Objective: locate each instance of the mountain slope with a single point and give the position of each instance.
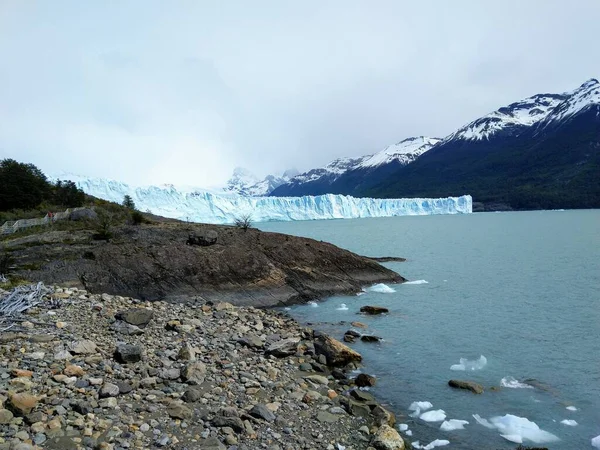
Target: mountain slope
(244, 182)
(527, 157)
(341, 173)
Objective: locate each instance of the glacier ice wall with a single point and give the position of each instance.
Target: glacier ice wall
(207, 207)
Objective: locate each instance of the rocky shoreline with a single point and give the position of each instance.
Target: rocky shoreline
(89, 371)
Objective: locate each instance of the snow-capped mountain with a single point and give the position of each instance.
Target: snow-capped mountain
(321, 180)
(244, 182)
(541, 152)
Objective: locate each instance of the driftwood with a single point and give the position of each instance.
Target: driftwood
(20, 299)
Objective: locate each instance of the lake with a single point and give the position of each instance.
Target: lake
(516, 295)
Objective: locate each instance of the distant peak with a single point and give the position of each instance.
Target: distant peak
(589, 83)
(240, 171)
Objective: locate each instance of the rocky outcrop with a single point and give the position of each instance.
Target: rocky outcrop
(373, 310)
(336, 353)
(387, 438)
(475, 388)
(153, 262)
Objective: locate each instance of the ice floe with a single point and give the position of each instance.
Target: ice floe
(419, 407)
(381, 288)
(596, 442)
(571, 408)
(465, 364)
(416, 282)
(436, 415)
(517, 429)
(513, 383)
(453, 424)
(569, 422)
(431, 445)
(402, 427)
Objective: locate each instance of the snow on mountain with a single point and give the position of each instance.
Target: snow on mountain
(208, 207)
(582, 98)
(244, 182)
(405, 152)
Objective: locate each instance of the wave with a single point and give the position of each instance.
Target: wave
(313, 304)
(465, 364)
(416, 282)
(342, 307)
(381, 288)
(517, 429)
(510, 382)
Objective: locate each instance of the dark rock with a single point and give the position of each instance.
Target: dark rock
(373, 310)
(128, 353)
(108, 390)
(179, 411)
(229, 421)
(361, 395)
(124, 387)
(349, 338)
(251, 341)
(212, 443)
(260, 411)
(467, 385)
(205, 238)
(339, 374)
(352, 333)
(192, 395)
(139, 317)
(125, 328)
(363, 380)
(370, 338)
(82, 408)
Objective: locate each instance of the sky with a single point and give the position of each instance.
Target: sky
(151, 92)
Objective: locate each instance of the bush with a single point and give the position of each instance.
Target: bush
(137, 218)
(244, 221)
(104, 225)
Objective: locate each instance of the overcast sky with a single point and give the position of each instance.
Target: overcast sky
(151, 92)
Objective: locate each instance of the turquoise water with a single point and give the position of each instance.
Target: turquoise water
(522, 289)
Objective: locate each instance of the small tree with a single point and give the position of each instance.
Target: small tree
(67, 194)
(128, 202)
(104, 225)
(22, 186)
(244, 221)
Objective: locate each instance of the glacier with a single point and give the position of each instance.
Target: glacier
(195, 205)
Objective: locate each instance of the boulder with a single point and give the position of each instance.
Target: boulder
(82, 347)
(128, 353)
(194, 372)
(125, 328)
(140, 317)
(252, 341)
(179, 411)
(475, 388)
(373, 310)
(232, 422)
(336, 353)
(260, 411)
(21, 404)
(204, 238)
(83, 214)
(364, 380)
(387, 438)
(284, 347)
(370, 338)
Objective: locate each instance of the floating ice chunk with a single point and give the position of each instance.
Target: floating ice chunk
(416, 444)
(313, 304)
(416, 282)
(571, 408)
(596, 442)
(465, 364)
(510, 382)
(436, 415)
(408, 433)
(381, 288)
(517, 429)
(453, 424)
(287, 308)
(420, 406)
(402, 427)
(342, 307)
(436, 443)
(569, 422)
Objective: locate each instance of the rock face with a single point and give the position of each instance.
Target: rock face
(467, 385)
(374, 310)
(337, 354)
(83, 214)
(153, 262)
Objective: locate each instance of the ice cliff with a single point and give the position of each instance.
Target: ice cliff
(201, 206)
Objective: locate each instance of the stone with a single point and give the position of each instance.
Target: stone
(21, 404)
(125, 328)
(361, 395)
(387, 438)
(109, 390)
(83, 214)
(187, 353)
(260, 411)
(128, 353)
(194, 372)
(229, 421)
(124, 387)
(5, 416)
(140, 317)
(383, 416)
(73, 370)
(365, 380)
(327, 417)
(317, 379)
(251, 341)
(358, 325)
(211, 443)
(82, 408)
(467, 385)
(204, 238)
(349, 338)
(82, 347)
(370, 338)
(373, 310)
(169, 374)
(20, 373)
(179, 411)
(192, 395)
(283, 347)
(336, 353)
